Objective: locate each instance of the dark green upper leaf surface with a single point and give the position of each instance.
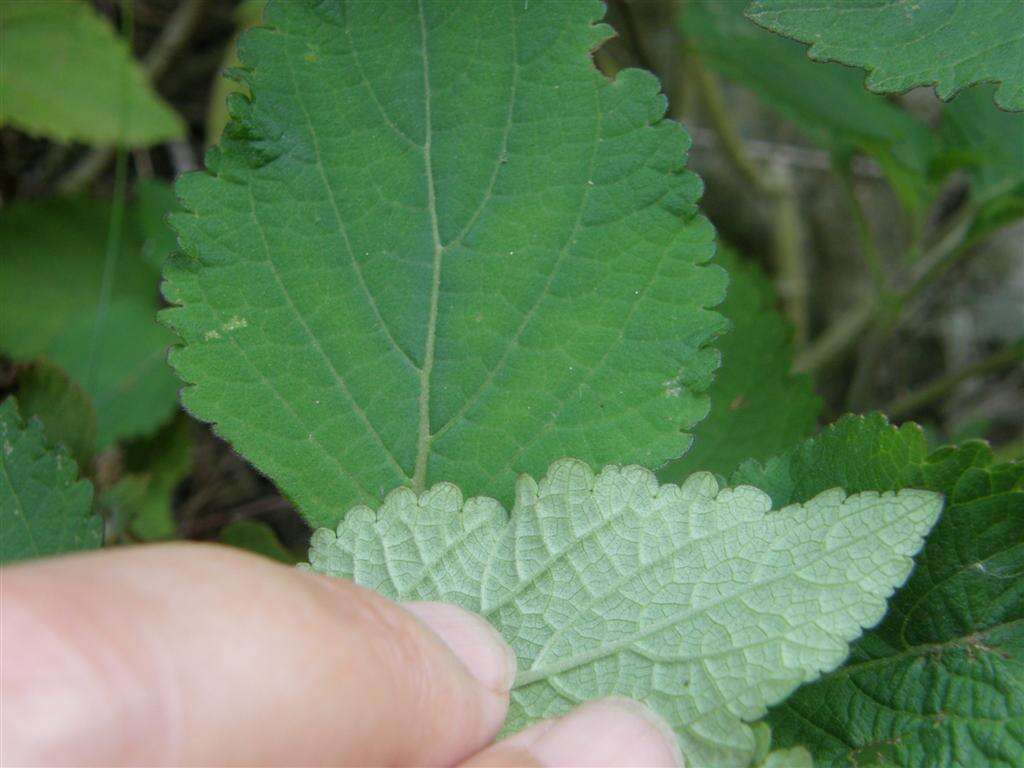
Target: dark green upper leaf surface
(941, 680)
(757, 408)
(950, 44)
(438, 244)
(44, 508)
(827, 103)
(50, 286)
(66, 75)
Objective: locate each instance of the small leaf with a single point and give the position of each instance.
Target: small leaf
(757, 407)
(65, 410)
(44, 508)
(438, 243)
(54, 257)
(941, 680)
(67, 76)
(697, 600)
(950, 44)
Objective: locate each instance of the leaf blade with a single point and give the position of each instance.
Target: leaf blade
(612, 585)
(529, 286)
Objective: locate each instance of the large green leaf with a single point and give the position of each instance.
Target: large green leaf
(827, 103)
(44, 508)
(697, 600)
(66, 75)
(941, 680)
(50, 289)
(950, 44)
(757, 408)
(439, 244)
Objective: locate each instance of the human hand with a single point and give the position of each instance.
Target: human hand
(191, 654)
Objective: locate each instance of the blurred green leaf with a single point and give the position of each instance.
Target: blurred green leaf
(757, 408)
(828, 104)
(66, 75)
(54, 253)
(141, 502)
(44, 508)
(258, 537)
(65, 410)
(950, 44)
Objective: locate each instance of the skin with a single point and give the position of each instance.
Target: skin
(191, 654)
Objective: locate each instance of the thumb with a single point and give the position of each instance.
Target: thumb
(193, 654)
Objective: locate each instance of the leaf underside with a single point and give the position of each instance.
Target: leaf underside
(44, 508)
(950, 44)
(697, 600)
(66, 75)
(438, 244)
(941, 680)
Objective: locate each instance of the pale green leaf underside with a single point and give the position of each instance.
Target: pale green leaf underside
(66, 75)
(950, 44)
(941, 680)
(438, 244)
(44, 508)
(699, 601)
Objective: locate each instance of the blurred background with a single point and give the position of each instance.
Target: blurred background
(889, 233)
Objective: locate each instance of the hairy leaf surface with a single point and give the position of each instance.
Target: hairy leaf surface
(941, 680)
(698, 600)
(438, 244)
(757, 408)
(950, 44)
(44, 508)
(827, 103)
(66, 75)
(50, 291)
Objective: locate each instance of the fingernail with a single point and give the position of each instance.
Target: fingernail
(476, 643)
(613, 733)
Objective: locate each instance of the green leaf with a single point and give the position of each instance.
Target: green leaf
(65, 410)
(757, 408)
(941, 680)
(66, 75)
(248, 14)
(827, 103)
(44, 508)
(259, 538)
(141, 502)
(693, 599)
(990, 143)
(950, 44)
(439, 244)
(50, 287)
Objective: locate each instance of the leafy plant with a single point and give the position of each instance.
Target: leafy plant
(950, 44)
(437, 250)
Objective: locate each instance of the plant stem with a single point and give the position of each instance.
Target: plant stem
(936, 389)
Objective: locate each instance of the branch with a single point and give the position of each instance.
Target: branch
(938, 388)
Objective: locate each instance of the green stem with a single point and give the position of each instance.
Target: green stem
(938, 388)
